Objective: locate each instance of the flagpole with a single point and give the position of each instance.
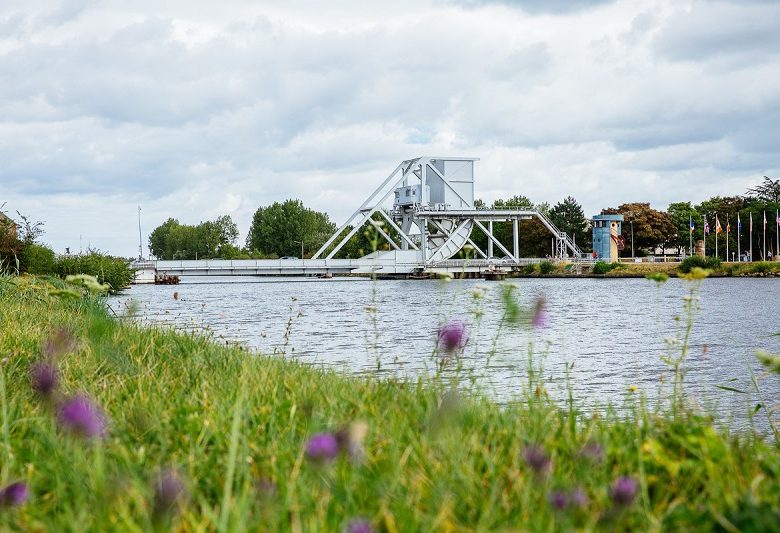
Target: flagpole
(739, 238)
(690, 234)
(728, 228)
(764, 257)
(777, 232)
(751, 236)
(717, 224)
(704, 233)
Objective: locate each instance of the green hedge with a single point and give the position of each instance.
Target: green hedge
(115, 271)
(710, 263)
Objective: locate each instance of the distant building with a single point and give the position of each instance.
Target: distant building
(607, 240)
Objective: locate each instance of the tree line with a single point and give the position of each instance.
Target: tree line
(290, 229)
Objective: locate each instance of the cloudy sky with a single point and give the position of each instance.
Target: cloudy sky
(202, 108)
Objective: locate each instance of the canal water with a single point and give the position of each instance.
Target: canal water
(611, 334)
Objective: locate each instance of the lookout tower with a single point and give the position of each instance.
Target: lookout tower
(607, 240)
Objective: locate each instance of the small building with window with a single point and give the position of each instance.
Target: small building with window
(607, 240)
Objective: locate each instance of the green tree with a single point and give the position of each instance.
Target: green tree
(173, 240)
(768, 191)
(652, 229)
(280, 227)
(568, 216)
(681, 214)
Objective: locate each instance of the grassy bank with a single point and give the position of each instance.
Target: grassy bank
(641, 270)
(203, 437)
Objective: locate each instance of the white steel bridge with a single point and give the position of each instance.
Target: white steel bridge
(431, 219)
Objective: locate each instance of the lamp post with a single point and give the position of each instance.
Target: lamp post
(301, 243)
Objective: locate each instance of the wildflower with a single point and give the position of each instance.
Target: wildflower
(578, 498)
(592, 451)
(453, 335)
(43, 378)
(14, 494)
(168, 491)
(540, 319)
(632, 389)
(624, 491)
(322, 447)
(558, 499)
(537, 459)
(82, 417)
(359, 525)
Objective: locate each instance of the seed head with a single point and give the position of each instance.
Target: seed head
(83, 417)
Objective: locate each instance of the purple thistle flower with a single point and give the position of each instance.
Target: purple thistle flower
(43, 378)
(578, 498)
(359, 525)
(593, 451)
(322, 447)
(624, 491)
(82, 416)
(14, 494)
(453, 335)
(558, 499)
(537, 459)
(168, 491)
(540, 318)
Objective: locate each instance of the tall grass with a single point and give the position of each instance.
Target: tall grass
(234, 428)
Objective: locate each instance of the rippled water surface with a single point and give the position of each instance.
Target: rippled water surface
(612, 331)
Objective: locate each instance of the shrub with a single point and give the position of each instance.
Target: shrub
(710, 263)
(115, 271)
(602, 267)
(547, 267)
(37, 259)
(763, 267)
(530, 269)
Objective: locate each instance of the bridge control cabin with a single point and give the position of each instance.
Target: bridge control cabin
(607, 241)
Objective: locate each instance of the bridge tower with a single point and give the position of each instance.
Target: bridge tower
(433, 215)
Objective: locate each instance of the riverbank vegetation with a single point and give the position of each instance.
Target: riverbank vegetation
(22, 253)
(107, 425)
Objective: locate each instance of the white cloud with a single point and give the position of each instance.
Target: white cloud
(194, 109)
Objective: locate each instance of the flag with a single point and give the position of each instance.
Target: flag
(739, 224)
(777, 214)
(690, 222)
(706, 227)
(718, 229)
(764, 219)
(751, 223)
(728, 226)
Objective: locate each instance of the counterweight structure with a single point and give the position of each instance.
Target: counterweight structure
(433, 216)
